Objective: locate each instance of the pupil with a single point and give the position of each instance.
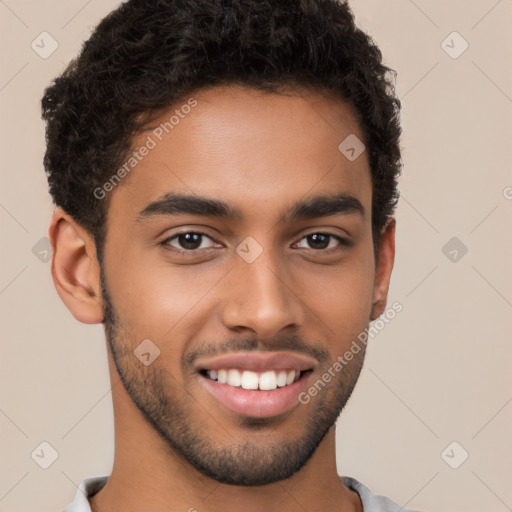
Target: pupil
(315, 239)
(190, 240)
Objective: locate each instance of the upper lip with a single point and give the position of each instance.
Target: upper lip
(257, 361)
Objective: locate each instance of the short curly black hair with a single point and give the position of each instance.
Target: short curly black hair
(147, 54)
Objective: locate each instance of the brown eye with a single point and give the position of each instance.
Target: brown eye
(324, 241)
(187, 241)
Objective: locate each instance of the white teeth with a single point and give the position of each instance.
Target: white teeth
(234, 378)
(222, 376)
(281, 378)
(265, 381)
(268, 381)
(249, 380)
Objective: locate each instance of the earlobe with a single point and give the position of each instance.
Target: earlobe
(75, 268)
(384, 268)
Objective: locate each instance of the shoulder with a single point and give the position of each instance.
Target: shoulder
(86, 489)
(372, 502)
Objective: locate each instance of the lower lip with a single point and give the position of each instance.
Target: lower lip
(256, 403)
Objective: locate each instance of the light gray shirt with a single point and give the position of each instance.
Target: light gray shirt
(371, 502)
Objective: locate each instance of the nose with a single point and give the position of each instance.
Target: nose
(261, 298)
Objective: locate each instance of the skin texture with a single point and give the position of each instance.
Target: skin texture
(176, 446)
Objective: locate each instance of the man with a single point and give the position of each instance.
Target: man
(225, 175)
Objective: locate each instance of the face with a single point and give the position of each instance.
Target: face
(240, 246)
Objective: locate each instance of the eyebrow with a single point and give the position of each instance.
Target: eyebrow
(305, 209)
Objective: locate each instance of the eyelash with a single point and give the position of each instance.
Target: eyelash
(192, 252)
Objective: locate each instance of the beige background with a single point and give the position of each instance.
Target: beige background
(438, 373)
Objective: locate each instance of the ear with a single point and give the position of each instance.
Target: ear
(386, 258)
(75, 268)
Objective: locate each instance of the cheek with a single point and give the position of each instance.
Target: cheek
(341, 294)
(341, 301)
(158, 301)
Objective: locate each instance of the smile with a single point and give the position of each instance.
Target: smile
(258, 385)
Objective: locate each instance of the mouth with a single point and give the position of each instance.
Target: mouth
(256, 385)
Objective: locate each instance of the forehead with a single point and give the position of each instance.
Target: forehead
(257, 149)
